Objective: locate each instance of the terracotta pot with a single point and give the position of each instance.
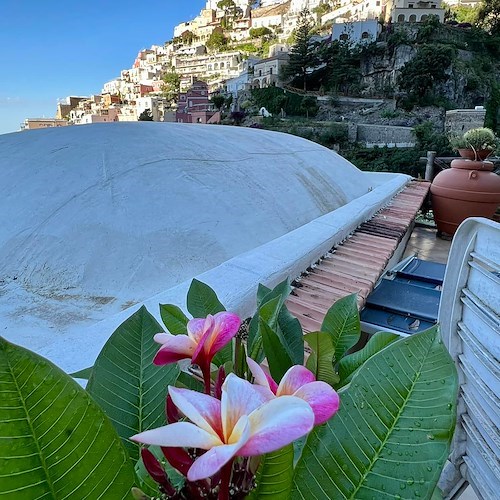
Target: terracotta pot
(469, 154)
(468, 189)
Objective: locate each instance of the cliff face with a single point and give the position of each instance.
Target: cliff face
(380, 71)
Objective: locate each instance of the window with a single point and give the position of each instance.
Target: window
(344, 36)
(410, 6)
(424, 17)
(270, 71)
(412, 18)
(401, 18)
(365, 34)
(377, 3)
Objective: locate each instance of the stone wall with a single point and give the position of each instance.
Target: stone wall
(385, 135)
(458, 121)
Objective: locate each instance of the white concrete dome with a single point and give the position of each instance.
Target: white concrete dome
(96, 218)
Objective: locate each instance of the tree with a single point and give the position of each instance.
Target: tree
(217, 41)
(218, 101)
(303, 52)
(488, 16)
(171, 86)
(427, 68)
(309, 105)
(146, 116)
(258, 32)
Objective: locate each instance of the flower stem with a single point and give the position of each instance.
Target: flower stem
(225, 480)
(205, 369)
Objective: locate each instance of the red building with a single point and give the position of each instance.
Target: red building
(194, 106)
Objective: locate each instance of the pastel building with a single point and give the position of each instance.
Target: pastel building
(194, 106)
(411, 11)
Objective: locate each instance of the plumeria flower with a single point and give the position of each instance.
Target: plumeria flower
(245, 422)
(205, 337)
(298, 381)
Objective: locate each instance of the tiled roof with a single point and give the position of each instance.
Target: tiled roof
(357, 264)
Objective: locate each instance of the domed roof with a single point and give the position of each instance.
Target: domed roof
(95, 218)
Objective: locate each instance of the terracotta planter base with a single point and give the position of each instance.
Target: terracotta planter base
(468, 189)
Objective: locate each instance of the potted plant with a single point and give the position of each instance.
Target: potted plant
(475, 144)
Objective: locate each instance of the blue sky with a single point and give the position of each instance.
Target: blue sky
(55, 48)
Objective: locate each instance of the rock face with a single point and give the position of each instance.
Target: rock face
(380, 71)
(94, 218)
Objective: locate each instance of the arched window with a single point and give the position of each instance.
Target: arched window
(412, 18)
(221, 65)
(344, 36)
(216, 66)
(423, 17)
(209, 67)
(270, 71)
(365, 34)
(401, 18)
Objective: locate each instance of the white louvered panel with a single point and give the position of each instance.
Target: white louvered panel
(483, 459)
(481, 392)
(485, 284)
(484, 425)
(483, 362)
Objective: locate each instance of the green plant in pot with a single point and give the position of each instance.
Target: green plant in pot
(475, 144)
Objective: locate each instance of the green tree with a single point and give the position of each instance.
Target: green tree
(303, 52)
(217, 41)
(171, 86)
(218, 101)
(488, 16)
(309, 106)
(146, 116)
(427, 68)
(258, 32)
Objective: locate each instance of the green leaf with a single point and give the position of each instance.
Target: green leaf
(83, 374)
(126, 384)
(392, 433)
(350, 363)
(342, 323)
(55, 442)
(274, 475)
(320, 361)
(277, 357)
(262, 291)
(267, 311)
(173, 318)
(202, 300)
(291, 331)
(187, 381)
(224, 355)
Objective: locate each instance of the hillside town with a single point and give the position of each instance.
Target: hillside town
(230, 47)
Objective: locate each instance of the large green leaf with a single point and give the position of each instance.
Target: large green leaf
(173, 318)
(391, 435)
(277, 357)
(268, 307)
(55, 442)
(291, 331)
(274, 475)
(350, 363)
(342, 323)
(320, 361)
(126, 384)
(202, 300)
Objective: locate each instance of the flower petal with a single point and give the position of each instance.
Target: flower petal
(197, 327)
(261, 377)
(180, 434)
(226, 326)
(174, 348)
(201, 409)
(276, 424)
(294, 379)
(239, 398)
(213, 460)
(323, 400)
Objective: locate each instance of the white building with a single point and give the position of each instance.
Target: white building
(156, 104)
(357, 31)
(412, 11)
(267, 71)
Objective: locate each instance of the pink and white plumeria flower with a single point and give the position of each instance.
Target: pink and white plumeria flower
(245, 422)
(300, 382)
(205, 337)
